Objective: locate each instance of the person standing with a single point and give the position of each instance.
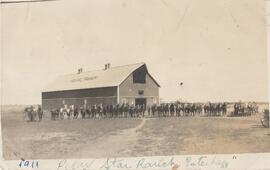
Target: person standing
(40, 113)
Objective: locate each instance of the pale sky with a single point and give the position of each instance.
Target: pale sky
(217, 48)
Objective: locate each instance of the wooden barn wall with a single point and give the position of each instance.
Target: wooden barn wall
(128, 91)
(48, 104)
(97, 92)
(51, 100)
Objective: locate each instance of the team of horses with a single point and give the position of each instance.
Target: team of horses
(241, 109)
(125, 110)
(33, 114)
(177, 109)
(162, 110)
(189, 109)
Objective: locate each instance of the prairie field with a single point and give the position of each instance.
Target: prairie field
(128, 137)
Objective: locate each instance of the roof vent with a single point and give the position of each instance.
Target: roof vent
(107, 66)
(80, 70)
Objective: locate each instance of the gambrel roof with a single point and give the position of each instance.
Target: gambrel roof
(110, 77)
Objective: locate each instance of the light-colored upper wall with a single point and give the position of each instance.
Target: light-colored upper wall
(130, 89)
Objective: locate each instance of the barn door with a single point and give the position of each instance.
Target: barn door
(140, 101)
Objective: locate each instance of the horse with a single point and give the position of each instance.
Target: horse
(55, 114)
(224, 109)
(31, 113)
(83, 112)
(172, 109)
(40, 113)
(153, 109)
(76, 113)
(88, 111)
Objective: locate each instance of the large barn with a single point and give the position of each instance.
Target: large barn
(112, 85)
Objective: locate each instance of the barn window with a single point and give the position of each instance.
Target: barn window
(140, 92)
(139, 77)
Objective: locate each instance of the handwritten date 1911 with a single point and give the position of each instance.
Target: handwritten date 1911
(28, 164)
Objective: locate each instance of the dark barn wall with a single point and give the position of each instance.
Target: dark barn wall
(106, 95)
(128, 91)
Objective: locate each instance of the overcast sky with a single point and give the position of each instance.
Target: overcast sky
(217, 48)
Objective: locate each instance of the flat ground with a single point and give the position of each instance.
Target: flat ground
(130, 137)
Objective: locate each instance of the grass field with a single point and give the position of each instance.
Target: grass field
(129, 137)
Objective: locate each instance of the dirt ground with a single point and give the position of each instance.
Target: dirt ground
(130, 137)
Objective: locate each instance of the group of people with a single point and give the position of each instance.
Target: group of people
(33, 113)
(189, 109)
(242, 109)
(98, 111)
(125, 110)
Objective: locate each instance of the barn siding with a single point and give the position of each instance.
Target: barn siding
(52, 100)
(49, 104)
(128, 91)
(96, 92)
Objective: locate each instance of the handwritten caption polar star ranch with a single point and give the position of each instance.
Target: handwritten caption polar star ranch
(143, 163)
(83, 79)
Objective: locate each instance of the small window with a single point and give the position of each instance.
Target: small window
(140, 92)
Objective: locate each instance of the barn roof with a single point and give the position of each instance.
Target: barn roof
(111, 77)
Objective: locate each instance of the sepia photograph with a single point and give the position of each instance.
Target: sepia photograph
(133, 78)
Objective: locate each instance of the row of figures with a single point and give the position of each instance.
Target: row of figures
(98, 111)
(125, 110)
(243, 109)
(33, 113)
(190, 109)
